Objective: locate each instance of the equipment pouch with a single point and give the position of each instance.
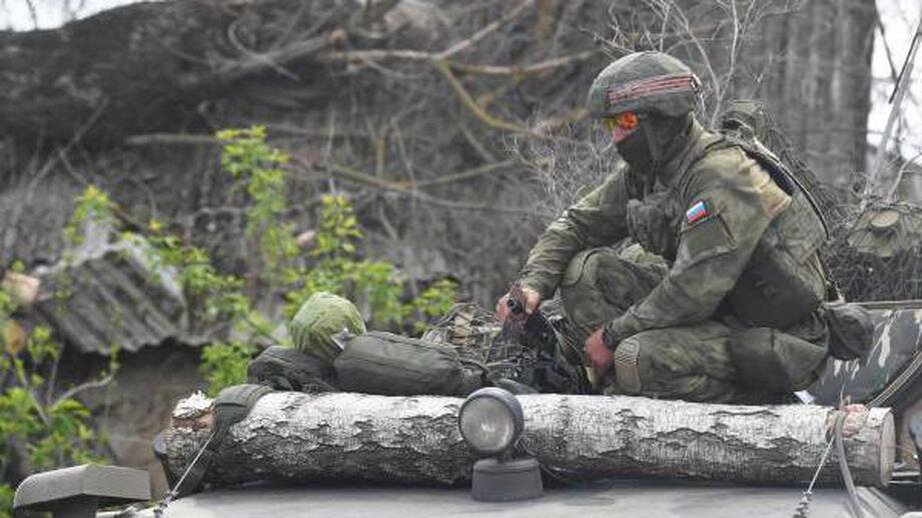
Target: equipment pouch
(851, 330)
(654, 222)
(577, 269)
(284, 368)
(772, 361)
(784, 281)
(384, 363)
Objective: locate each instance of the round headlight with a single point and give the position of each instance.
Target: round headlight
(490, 420)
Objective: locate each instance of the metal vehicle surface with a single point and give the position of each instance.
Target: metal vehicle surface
(647, 498)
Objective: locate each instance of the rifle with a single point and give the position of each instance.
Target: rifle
(538, 334)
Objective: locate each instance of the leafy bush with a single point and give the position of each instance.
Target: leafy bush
(92, 205)
(334, 263)
(254, 164)
(224, 365)
(337, 268)
(52, 430)
(6, 500)
(55, 430)
(58, 431)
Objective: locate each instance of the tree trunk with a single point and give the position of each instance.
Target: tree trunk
(816, 62)
(347, 436)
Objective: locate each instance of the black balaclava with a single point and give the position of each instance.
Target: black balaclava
(657, 138)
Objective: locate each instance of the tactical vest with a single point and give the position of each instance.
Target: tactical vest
(784, 280)
(653, 219)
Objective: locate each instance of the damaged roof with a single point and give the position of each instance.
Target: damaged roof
(106, 294)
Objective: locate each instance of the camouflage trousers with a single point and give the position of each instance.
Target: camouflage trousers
(718, 360)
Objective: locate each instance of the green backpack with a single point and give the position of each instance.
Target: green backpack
(384, 363)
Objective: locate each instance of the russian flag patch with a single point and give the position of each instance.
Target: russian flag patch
(697, 212)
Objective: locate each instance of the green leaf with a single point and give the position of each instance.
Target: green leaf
(224, 365)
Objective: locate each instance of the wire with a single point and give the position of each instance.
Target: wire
(803, 507)
(161, 507)
(837, 439)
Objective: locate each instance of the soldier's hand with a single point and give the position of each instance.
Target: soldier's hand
(530, 300)
(599, 356)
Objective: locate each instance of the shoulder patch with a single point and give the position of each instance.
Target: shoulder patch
(706, 239)
(697, 212)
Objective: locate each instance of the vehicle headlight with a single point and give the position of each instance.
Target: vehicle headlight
(491, 419)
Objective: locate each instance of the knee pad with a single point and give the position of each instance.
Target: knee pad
(627, 374)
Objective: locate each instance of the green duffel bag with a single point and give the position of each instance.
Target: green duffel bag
(392, 365)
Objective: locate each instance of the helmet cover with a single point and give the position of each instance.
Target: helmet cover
(646, 82)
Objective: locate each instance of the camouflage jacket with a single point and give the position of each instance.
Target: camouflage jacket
(742, 241)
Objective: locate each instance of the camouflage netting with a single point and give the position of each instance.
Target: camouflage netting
(471, 329)
(319, 319)
(873, 254)
(879, 256)
(479, 337)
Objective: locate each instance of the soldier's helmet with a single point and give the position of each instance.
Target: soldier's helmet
(644, 82)
(320, 318)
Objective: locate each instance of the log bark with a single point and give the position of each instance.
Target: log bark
(346, 436)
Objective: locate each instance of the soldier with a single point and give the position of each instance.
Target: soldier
(730, 307)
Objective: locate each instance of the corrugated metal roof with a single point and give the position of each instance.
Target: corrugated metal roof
(114, 294)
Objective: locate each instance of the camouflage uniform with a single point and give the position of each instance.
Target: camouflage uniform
(731, 310)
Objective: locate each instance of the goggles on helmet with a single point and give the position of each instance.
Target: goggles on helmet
(626, 121)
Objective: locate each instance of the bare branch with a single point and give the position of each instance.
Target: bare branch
(234, 70)
(170, 138)
(235, 41)
(523, 70)
(467, 175)
(353, 56)
(355, 175)
(472, 105)
(486, 31)
(33, 15)
(95, 384)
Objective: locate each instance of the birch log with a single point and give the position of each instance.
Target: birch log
(344, 436)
